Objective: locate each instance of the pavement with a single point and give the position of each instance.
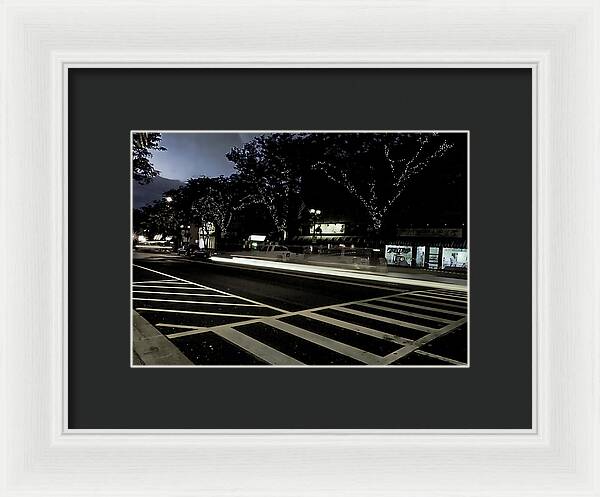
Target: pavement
(151, 347)
(224, 313)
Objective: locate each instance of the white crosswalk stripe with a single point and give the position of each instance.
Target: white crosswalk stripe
(195, 302)
(406, 313)
(417, 306)
(194, 294)
(169, 287)
(258, 349)
(426, 299)
(204, 313)
(328, 343)
(385, 319)
(439, 297)
(355, 327)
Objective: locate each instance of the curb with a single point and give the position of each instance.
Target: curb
(152, 348)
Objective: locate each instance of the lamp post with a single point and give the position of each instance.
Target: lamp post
(171, 222)
(314, 213)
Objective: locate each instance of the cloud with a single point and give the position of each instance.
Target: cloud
(196, 154)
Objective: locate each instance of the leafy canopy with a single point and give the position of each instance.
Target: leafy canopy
(143, 144)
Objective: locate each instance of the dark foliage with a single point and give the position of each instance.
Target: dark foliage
(143, 144)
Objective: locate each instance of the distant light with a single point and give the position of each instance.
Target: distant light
(318, 212)
(141, 238)
(312, 211)
(169, 199)
(181, 225)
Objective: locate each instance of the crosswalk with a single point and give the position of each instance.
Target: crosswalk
(213, 327)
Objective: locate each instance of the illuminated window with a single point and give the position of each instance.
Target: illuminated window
(454, 258)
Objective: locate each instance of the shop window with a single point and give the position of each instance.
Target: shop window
(434, 253)
(455, 258)
(398, 255)
(420, 257)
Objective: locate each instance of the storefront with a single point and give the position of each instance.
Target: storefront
(429, 253)
(254, 241)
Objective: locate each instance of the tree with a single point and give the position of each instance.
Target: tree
(213, 201)
(223, 198)
(143, 144)
(375, 168)
(271, 168)
(157, 219)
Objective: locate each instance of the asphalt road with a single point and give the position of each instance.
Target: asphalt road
(218, 314)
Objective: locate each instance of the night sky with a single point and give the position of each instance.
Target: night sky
(197, 154)
(436, 196)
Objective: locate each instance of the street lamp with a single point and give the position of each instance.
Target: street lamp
(168, 200)
(314, 213)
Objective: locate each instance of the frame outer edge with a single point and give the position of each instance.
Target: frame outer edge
(35, 455)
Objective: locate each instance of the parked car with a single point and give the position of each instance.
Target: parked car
(194, 252)
(201, 253)
(154, 246)
(278, 251)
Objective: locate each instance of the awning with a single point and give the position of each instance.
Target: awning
(327, 239)
(431, 242)
(409, 242)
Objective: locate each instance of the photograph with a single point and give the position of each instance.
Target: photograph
(300, 248)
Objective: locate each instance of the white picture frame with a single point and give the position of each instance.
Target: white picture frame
(558, 39)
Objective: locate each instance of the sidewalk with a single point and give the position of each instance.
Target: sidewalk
(424, 280)
(152, 348)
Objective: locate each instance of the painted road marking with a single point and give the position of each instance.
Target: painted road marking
(415, 298)
(404, 351)
(328, 343)
(194, 294)
(173, 287)
(439, 357)
(196, 302)
(355, 327)
(452, 298)
(304, 312)
(437, 297)
(385, 319)
(177, 311)
(448, 292)
(214, 289)
(271, 355)
(407, 313)
(168, 325)
(256, 348)
(417, 306)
